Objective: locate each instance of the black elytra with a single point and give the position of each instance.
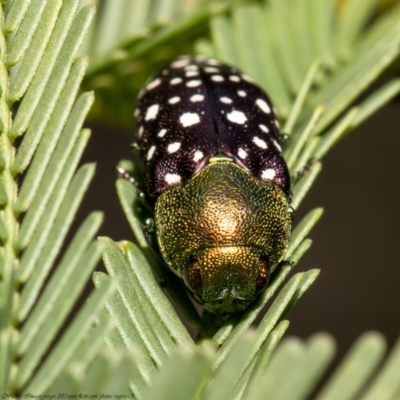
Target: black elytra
(196, 108)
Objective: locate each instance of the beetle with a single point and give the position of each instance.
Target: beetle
(213, 167)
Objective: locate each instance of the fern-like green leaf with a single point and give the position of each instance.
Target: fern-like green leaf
(41, 189)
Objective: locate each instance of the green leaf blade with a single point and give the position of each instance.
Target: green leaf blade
(66, 150)
(44, 225)
(57, 62)
(159, 301)
(34, 53)
(15, 15)
(70, 341)
(26, 30)
(126, 335)
(49, 139)
(117, 265)
(387, 383)
(355, 369)
(65, 268)
(61, 307)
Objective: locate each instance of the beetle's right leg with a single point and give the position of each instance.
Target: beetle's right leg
(122, 173)
(303, 171)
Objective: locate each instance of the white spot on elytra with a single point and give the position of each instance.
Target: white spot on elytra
(226, 100)
(276, 123)
(180, 63)
(211, 70)
(247, 78)
(151, 152)
(259, 142)
(153, 84)
(241, 153)
(191, 74)
(192, 68)
(193, 83)
(165, 72)
(234, 78)
(174, 100)
(173, 147)
(175, 81)
(277, 145)
(237, 117)
(212, 61)
(198, 155)
(263, 106)
(217, 78)
(264, 128)
(162, 133)
(189, 119)
(140, 133)
(136, 113)
(172, 178)
(268, 174)
(242, 93)
(152, 112)
(197, 97)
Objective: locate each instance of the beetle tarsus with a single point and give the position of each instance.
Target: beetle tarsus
(123, 174)
(304, 170)
(283, 264)
(283, 138)
(164, 282)
(135, 146)
(148, 230)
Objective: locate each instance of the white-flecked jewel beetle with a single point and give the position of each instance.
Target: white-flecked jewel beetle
(210, 142)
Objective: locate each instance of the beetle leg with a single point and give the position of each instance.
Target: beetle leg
(281, 265)
(148, 230)
(292, 212)
(123, 174)
(283, 138)
(135, 146)
(126, 175)
(302, 171)
(164, 282)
